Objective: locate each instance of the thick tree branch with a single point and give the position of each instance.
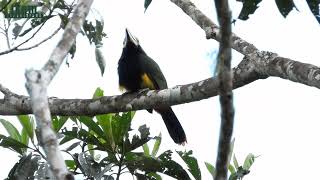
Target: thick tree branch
(243, 74)
(225, 89)
(270, 64)
(37, 83)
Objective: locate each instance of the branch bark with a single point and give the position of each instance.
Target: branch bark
(37, 83)
(225, 90)
(243, 74)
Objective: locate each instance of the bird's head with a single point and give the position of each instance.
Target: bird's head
(130, 40)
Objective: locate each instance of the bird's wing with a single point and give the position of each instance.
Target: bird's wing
(154, 72)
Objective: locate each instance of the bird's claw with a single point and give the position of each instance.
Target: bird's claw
(140, 91)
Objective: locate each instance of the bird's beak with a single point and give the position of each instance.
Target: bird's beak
(129, 38)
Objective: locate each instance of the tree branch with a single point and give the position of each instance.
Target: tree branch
(27, 40)
(37, 83)
(243, 74)
(225, 90)
(39, 43)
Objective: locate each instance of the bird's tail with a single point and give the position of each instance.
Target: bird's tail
(173, 125)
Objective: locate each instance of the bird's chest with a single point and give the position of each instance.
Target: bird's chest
(130, 75)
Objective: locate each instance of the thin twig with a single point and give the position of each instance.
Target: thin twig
(27, 40)
(5, 90)
(5, 6)
(6, 32)
(38, 44)
(120, 165)
(38, 150)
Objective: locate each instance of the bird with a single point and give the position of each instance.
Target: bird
(137, 71)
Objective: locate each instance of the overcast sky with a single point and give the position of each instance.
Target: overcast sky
(275, 118)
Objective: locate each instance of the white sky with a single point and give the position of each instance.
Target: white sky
(275, 118)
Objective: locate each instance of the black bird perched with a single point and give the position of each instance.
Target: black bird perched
(138, 71)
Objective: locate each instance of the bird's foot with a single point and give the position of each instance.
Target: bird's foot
(140, 91)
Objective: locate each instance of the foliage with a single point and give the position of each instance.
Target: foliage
(24, 29)
(284, 7)
(236, 171)
(146, 4)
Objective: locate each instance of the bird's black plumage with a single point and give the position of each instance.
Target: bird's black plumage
(137, 71)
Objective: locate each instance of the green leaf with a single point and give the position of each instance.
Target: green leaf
(146, 4)
(92, 125)
(120, 127)
(60, 4)
(90, 149)
(72, 146)
(94, 33)
(141, 162)
(105, 121)
(233, 176)
(115, 128)
(172, 168)
(211, 169)
(248, 7)
(24, 137)
(235, 162)
(164, 164)
(27, 124)
(156, 146)
(73, 49)
(248, 161)
(64, 20)
(97, 93)
(153, 175)
(231, 150)
(100, 60)
(12, 131)
(239, 174)
(314, 7)
(136, 140)
(10, 143)
(58, 122)
(25, 168)
(66, 139)
(192, 163)
(285, 6)
(16, 30)
(146, 150)
(90, 167)
(231, 169)
(70, 164)
(84, 136)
